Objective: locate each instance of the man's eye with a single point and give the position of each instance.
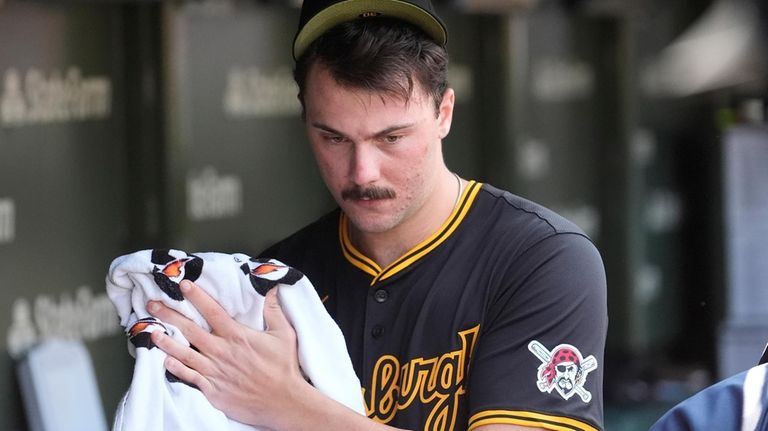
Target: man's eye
(391, 139)
(334, 139)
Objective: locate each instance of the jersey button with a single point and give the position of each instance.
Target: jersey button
(381, 295)
(377, 331)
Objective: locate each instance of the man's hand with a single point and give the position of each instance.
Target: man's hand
(252, 376)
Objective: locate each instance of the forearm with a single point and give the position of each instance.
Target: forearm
(313, 410)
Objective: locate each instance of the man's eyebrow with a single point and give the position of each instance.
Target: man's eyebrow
(327, 128)
(394, 128)
(380, 133)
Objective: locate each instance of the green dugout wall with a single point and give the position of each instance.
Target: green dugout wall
(241, 174)
(62, 182)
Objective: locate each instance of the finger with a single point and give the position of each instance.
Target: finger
(274, 318)
(211, 311)
(182, 353)
(186, 374)
(191, 330)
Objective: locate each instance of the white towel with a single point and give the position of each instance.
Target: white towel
(156, 400)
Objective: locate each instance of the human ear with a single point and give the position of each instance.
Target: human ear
(445, 113)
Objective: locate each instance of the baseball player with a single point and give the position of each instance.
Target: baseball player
(464, 307)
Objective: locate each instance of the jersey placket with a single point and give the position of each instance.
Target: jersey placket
(380, 369)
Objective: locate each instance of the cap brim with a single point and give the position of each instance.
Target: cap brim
(350, 10)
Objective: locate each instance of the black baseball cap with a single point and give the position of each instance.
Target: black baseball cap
(318, 16)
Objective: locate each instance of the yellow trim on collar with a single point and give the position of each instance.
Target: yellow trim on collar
(353, 255)
(530, 419)
(358, 259)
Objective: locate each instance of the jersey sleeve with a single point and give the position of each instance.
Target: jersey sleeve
(539, 357)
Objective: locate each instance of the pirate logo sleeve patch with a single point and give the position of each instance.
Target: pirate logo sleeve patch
(563, 369)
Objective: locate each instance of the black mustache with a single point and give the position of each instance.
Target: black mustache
(374, 192)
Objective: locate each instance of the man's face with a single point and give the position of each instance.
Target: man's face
(379, 155)
(566, 376)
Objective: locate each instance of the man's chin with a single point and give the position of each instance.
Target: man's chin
(370, 223)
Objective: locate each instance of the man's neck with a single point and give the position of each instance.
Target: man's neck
(386, 247)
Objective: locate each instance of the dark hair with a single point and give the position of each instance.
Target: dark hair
(378, 54)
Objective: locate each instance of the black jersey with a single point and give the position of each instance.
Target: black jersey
(498, 318)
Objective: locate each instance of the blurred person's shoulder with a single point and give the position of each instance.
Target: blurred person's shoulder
(739, 402)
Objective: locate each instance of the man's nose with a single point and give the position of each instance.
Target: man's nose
(364, 164)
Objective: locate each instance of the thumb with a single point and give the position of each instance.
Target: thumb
(274, 318)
